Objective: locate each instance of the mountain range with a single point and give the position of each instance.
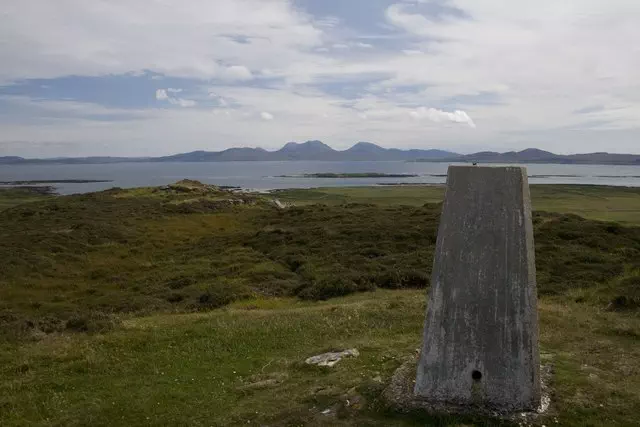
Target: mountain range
(310, 150)
(533, 155)
(362, 151)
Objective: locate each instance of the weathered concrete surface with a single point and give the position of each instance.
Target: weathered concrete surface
(480, 343)
(399, 396)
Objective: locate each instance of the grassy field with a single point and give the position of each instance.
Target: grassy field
(619, 204)
(214, 368)
(190, 305)
(14, 196)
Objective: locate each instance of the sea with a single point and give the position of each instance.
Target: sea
(263, 176)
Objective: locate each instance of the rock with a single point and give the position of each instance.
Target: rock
(278, 204)
(258, 382)
(331, 358)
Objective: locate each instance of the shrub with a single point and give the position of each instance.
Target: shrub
(328, 288)
(175, 297)
(220, 294)
(629, 294)
(180, 282)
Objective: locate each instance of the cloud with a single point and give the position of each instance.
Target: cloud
(266, 116)
(161, 94)
(435, 115)
(182, 102)
(187, 40)
(527, 72)
(235, 73)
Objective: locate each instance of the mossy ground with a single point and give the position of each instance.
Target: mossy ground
(108, 307)
(13, 196)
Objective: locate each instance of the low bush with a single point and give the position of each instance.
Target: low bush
(82, 257)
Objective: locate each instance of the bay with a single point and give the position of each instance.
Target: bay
(268, 175)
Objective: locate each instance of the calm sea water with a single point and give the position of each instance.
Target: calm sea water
(264, 175)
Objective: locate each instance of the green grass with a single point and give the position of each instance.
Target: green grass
(74, 262)
(619, 204)
(14, 196)
(110, 305)
(409, 195)
(595, 202)
(196, 369)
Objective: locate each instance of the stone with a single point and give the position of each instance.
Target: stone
(480, 344)
(262, 381)
(331, 358)
(278, 204)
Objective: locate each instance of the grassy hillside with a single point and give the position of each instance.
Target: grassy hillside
(594, 202)
(191, 305)
(243, 365)
(72, 262)
(13, 196)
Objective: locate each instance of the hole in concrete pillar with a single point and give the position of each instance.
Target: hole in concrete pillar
(476, 375)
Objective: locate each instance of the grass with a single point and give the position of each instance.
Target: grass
(618, 204)
(200, 369)
(14, 196)
(408, 195)
(74, 262)
(354, 175)
(191, 305)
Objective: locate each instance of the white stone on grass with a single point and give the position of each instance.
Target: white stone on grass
(331, 358)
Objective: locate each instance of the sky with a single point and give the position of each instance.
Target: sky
(156, 77)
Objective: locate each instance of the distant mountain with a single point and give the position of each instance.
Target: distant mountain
(533, 155)
(232, 154)
(10, 159)
(362, 151)
(310, 150)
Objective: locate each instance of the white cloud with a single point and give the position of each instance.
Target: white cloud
(266, 116)
(435, 115)
(541, 61)
(235, 73)
(182, 102)
(188, 40)
(161, 94)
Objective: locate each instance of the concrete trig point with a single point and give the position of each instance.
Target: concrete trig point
(480, 343)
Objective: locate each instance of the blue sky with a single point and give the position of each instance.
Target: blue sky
(150, 77)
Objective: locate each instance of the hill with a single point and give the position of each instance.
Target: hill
(310, 150)
(533, 155)
(361, 151)
(109, 307)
